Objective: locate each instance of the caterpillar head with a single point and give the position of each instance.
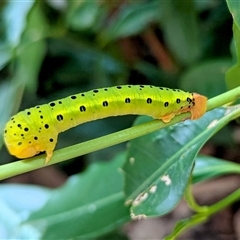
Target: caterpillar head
(20, 152)
(19, 144)
(200, 106)
(25, 139)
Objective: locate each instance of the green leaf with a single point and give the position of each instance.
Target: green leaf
(198, 79)
(31, 50)
(159, 164)
(208, 167)
(16, 203)
(131, 20)
(5, 51)
(88, 205)
(14, 17)
(233, 77)
(13, 27)
(234, 8)
(181, 30)
(84, 15)
(233, 73)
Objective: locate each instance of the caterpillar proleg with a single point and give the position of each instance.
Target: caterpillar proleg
(36, 129)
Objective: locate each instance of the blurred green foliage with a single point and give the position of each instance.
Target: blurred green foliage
(56, 48)
(51, 49)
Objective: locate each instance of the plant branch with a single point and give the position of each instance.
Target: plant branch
(23, 166)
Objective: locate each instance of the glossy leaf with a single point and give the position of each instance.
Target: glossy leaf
(233, 73)
(160, 164)
(16, 203)
(88, 205)
(15, 18)
(207, 167)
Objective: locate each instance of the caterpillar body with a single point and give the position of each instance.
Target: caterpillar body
(35, 130)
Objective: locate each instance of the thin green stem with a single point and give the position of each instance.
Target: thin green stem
(225, 98)
(217, 207)
(203, 215)
(22, 166)
(191, 200)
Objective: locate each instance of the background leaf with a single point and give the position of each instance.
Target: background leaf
(193, 79)
(131, 20)
(180, 20)
(96, 194)
(233, 73)
(16, 203)
(208, 167)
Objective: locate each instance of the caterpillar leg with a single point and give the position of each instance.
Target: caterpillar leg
(49, 156)
(168, 118)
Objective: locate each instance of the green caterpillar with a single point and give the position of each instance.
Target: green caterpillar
(35, 130)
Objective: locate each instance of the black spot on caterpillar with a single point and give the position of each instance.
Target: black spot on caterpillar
(36, 129)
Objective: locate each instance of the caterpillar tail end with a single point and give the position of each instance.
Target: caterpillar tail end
(200, 106)
(49, 156)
